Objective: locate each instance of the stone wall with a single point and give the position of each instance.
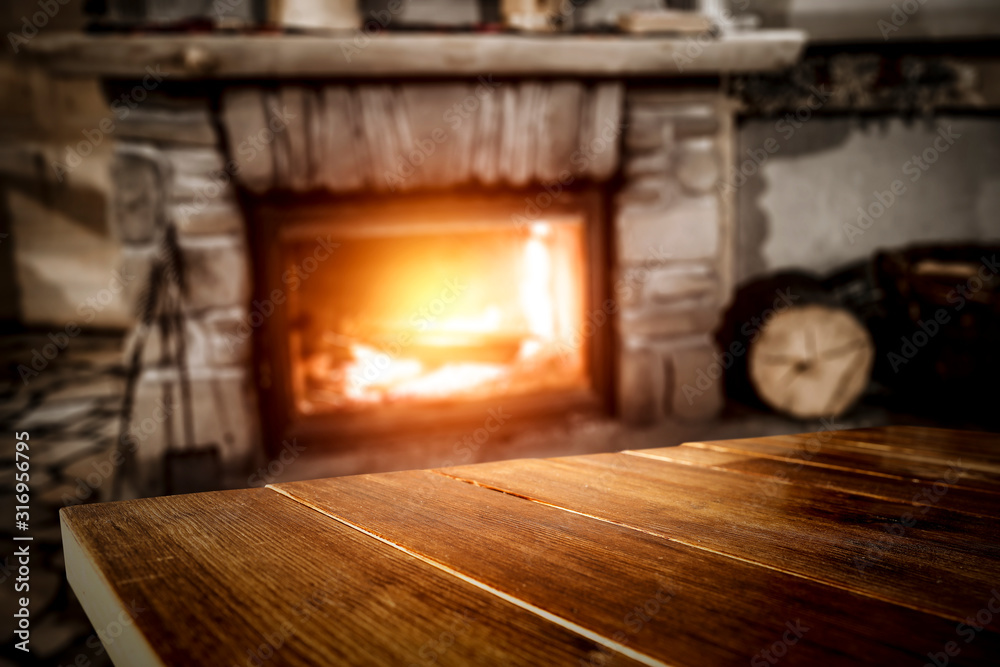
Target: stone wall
(672, 272)
(674, 253)
(169, 167)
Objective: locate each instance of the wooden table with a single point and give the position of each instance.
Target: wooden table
(877, 546)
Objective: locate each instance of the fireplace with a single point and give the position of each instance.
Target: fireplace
(316, 218)
(418, 312)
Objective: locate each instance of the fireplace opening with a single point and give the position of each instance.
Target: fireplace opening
(426, 310)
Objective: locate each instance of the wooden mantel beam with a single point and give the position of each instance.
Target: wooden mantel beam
(411, 55)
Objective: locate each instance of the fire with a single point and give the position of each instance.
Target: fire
(501, 347)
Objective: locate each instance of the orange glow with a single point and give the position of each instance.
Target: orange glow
(509, 329)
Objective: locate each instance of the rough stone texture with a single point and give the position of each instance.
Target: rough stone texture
(185, 126)
(224, 414)
(214, 338)
(195, 174)
(213, 216)
(697, 391)
(698, 165)
(673, 252)
(640, 386)
(218, 272)
(658, 322)
(687, 230)
(672, 231)
(250, 140)
(681, 281)
(139, 173)
(423, 135)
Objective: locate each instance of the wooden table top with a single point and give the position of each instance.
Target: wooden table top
(870, 546)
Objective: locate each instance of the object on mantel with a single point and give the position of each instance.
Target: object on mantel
(532, 15)
(317, 15)
(666, 21)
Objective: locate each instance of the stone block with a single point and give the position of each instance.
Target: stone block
(641, 385)
(688, 230)
(197, 174)
(188, 126)
(643, 164)
(648, 132)
(697, 392)
(218, 274)
(139, 173)
(658, 322)
(698, 165)
(224, 410)
(659, 189)
(213, 339)
(251, 141)
(136, 265)
(689, 114)
(681, 281)
(206, 217)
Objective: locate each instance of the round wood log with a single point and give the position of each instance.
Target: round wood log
(811, 361)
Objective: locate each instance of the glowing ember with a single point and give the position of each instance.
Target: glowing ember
(502, 337)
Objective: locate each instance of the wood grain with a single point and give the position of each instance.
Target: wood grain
(598, 575)
(709, 553)
(219, 575)
(777, 471)
(835, 450)
(944, 564)
(402, 55)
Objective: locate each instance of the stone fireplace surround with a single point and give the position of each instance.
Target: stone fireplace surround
(661, 143)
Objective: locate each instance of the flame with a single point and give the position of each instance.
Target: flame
(536, 288)
(548, 304)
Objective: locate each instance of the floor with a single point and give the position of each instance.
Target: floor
(71, 410)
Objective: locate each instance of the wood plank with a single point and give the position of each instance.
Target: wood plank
(831, 450)
(408, 54)
(597, 575)
(219, 575)
(772, 472)
(944, 442)
(946, 563)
